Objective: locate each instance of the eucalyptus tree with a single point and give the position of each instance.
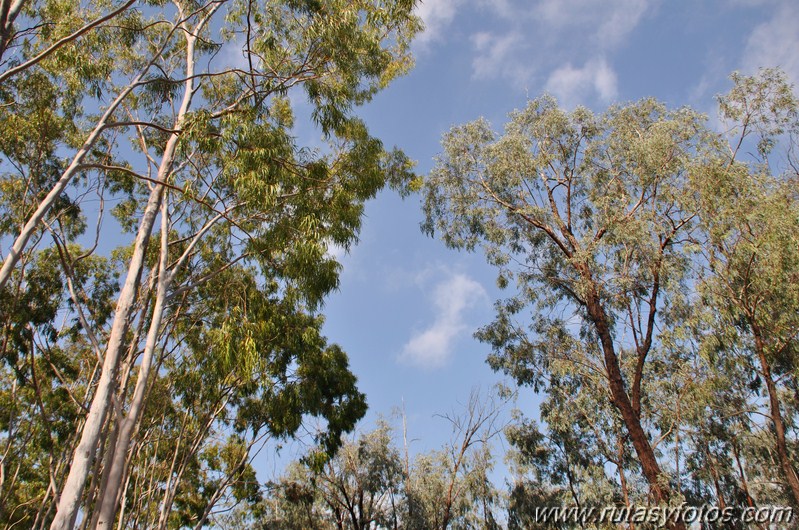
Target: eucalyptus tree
(449, 487)
(655, 307)
(584, 212)
(750, 251)
(368, 483)
(359, 488)
(194, 142)
(361, 485)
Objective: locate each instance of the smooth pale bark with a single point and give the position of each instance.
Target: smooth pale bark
(117, 456)
(101, 470)
(9, 10)
(84, 454)
(117, 452)
(50, 199)
(178, 466)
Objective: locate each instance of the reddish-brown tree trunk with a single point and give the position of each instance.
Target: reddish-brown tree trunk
(661, 493)
(788, 470)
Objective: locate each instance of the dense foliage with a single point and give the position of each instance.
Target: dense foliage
(169, 242)
(655, 306)
(166, 256)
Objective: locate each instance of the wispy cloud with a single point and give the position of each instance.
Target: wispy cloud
(533, 40)
(437, 15)
(775, 42)
(432, 347)
(605, 23)
(495, 57)
(573, 85)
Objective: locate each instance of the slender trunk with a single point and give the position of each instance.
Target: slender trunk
(85, 452)
(122, 503)
(42, 507)
(119, 451)
(107, 436)
(408, 494)
(169, 489)
(618, 393)
(744, 482)
(677, 448)
(777, 421)
(67, 509)
(178, 468)
(105, 462)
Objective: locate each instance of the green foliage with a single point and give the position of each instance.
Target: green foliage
(120, 102)
(655, 277)
(367, 484)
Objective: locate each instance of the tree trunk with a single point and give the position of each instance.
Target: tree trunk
(93, 497)
(646, 455)
(67, 509)
(777, 422)
(9, 10)
(118, 452)
(85, 452)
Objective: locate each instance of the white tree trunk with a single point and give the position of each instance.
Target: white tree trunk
(118, 452)
(84, 453)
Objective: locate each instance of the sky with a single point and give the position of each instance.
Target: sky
(407, 306)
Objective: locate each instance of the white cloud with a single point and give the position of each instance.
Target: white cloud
(621, 21)
(495, 56)
(573, 86)
(543, 35)
(437, 16)
(775, 42)
(432, 347)
(607, 22)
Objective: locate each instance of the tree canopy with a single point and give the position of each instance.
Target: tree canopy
(165, 358)
(168, 248)
(654, 272)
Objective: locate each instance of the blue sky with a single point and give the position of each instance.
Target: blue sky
(407, 306)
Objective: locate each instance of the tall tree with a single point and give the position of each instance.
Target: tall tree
(584, 212)
(193, 139)
(750, 221)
